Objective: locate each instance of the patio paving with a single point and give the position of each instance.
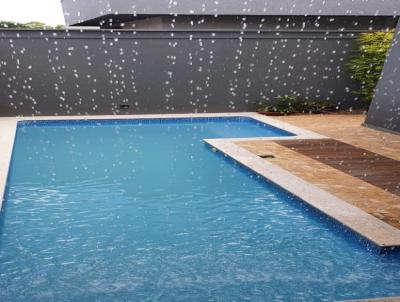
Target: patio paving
(375, 169)
(338, 170)
(347, 128)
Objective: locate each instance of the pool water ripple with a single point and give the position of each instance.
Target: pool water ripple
(128, 212)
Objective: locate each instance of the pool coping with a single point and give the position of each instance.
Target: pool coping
(367, 226)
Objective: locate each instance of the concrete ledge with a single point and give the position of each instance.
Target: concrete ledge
(376, 231)
(8, 128)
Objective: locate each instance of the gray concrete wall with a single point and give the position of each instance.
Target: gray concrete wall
(384, 111)
(77, 11)
(94, 72)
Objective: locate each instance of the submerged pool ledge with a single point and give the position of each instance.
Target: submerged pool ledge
(367, 226)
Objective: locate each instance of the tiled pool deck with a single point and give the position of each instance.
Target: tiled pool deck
(367, 196)
(338, 206)
(346, 128)
(343, 197)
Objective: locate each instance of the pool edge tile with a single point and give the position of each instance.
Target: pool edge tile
(256, 116)
(367, 226)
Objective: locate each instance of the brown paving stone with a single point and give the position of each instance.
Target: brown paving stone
(366, 196)
(347, 128)
(378, 170)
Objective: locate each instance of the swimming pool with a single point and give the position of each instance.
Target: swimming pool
(131, 210)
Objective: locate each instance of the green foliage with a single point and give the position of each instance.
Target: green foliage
(367, 63)
(288, 104)
(317, 106)
(265, 106)
(29, 25)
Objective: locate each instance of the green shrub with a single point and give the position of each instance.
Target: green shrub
(288, 104)
(317, 106)
(265, 106)
(29, 25)
(367, 63)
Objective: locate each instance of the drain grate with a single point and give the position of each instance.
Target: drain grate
(267, 156)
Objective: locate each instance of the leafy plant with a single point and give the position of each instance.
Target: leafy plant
(29, 25)
(288, 104)
(265, 106)
(285, 105)
(316, 106)
(367, 63)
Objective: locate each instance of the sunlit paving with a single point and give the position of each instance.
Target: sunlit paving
(199, 150)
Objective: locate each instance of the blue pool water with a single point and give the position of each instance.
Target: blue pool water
(145, 211)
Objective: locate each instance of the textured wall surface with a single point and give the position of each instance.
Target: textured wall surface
(384, 111)
(94, 72)
(76, 11)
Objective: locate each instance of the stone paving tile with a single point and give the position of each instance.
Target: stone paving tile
(377, 170)
(347, 128)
